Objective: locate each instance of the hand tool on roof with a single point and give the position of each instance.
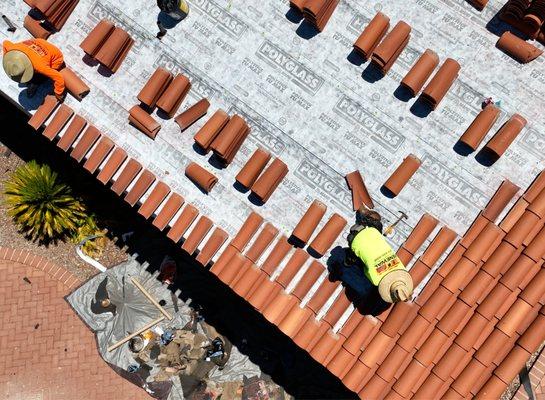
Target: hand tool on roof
(390, 229)
(150, 298)
(11, 27)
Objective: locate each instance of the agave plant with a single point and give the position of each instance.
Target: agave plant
(85, 229)
(42, 206)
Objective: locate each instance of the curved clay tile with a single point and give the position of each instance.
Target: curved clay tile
(292, 267)
(438, 246)
(420, 233)
(154, 87)
(244, 285)
(294, 320)
(533, 292)
(391, 365)
(74, 84)
(491, 346)
(404, 256)
(253, 167)
(212, 245)
(231, 270)
(439, 301)
(43, 112)
(430, 388)
(499, 201)
(478, 288)
(197, 235)
(492, 302)
(76, 126)
(113, 163)
(264, 294)
(397, 181)
(143, 183)
(35, 28)
(168, 211)
(206, 135)
(441, 82)
(131, 169)
(99, 154)
(86, 141)
(337, 309)
(96, 38)
(192, 114)
(264, 239)
(512, 364)
(399, 319)
(537, 206)
(477, 130)
(247, 231)
(267, 183)
(114, 50)
(318, 13)
(279, 307)
(463, 384)
(408, 379)
(533, 336)
(517, 272)
(341, 362)
(351, 323)
(453, 317)
(449, 361)
(536, 249)
(517, 48)
(59, 120)
(223, 259)
(156, 197)
(144, 122)
(506, 135)
(353, 380)
(514, 317)
(474, 230)
(306, 282)
(329, 233)
(230, 139)
(174, 94)
(360, 194)
(201, 177)
(387, 52)
(478, 4)
(535, 188)
(420, 72)
(326, 347)
(375, 388)
(310, 220)
(492, 389)
(309, 334)
(522, 228)
(362, 332)
(275, 257)
(514, 214)
(298, 4)
(418, 271)
(431, 347)
(372, 35)
(482, 243)
(322, 295)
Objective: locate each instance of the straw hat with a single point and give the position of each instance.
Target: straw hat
(396, 286)
(18, 66)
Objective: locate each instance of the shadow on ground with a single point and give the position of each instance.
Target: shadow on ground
(266, 346)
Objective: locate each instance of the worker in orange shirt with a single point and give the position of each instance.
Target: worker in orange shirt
(31, 61)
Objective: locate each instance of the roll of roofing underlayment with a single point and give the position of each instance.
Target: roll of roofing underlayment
(372, 35)
(387, 52)
(143, 121)
(175, 93)
(420, 72)
(154, 87)
(477, 130)
(253, 168)
(309, 222)
(210, 130)
(200, 176)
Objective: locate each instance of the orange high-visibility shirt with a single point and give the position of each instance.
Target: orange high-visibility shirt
(46, 59)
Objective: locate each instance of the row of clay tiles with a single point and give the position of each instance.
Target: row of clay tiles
(412, 347)
(110, 164)
(48, 16)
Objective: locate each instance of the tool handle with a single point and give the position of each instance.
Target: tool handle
(11, 27)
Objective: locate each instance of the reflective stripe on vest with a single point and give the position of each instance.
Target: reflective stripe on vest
(377, 255)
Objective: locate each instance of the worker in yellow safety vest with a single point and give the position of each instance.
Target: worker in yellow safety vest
(368, 249)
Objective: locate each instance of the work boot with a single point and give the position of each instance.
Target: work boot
(31, 90)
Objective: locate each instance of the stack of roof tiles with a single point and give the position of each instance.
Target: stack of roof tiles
(54, 14)
(316, 12)
(470, 330)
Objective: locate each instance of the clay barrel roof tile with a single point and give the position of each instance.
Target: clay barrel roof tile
(183, 222)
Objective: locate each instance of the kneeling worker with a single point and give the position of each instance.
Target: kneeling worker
(381, 265)
(31, 61)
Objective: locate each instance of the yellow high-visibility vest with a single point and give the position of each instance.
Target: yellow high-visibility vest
(377, 255)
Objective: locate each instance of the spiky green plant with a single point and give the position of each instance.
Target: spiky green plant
(42, 206)
(86, 228)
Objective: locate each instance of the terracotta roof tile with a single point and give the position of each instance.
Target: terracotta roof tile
(536, 248)
(418, 272)
(278, 253)
(294, 264)
(512, 364)
(537, 205)
(493, 301)
(377, 349)
(409, 378)
(327, 344)
(448, 363)
(460, 275)
(426, 354)
(503, 253)
(374, 389)
(503, 351)
(392, 362)
(453, 317)
(528, 319)
(508, 302)
(232, 269)
(310, 277)
(337, 309)
(474, 230)
(342, 362)
(535, 188)
(465, 381)
(482, 243)
(499, 201)
(353, 379)
(356, 339)
(309, 334)
(323, 293)
(430, 388)
(522, 228)
(404, 255)
(489, 349)
(279, 307)
(438, 246)
(429, 289)
(223, 259)
(393, 395)
(264, 239)
(492, 389)
(533, 337)
(261, 297)
(454, 256)
(439, 301)
(534, 292)
(513, 215)
(480, 381)
(351, 323)
(400, 317)
(247, 281)
(475, 290)
(452, 394)
(533, 233)
(530, 274)
(415, 333)
(420, 233)
(247, 231)
(471, 332)
(295, 320)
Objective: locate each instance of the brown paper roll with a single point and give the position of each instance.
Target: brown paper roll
(517, 48)
(476, 132)
(310, 220)
(420, 71)
(144, 122)
(441, 82)
(253, 167)
(96, 38)
(506, 135)
(200, 176)
(206, 135)
(154, 87)
(267, 183)
(174, 95)
(192, 114)
(74, 84)
(329, 233)
(372, 35)
(389, 49)
(402, 174)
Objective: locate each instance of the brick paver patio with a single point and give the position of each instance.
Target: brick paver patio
(46, 352)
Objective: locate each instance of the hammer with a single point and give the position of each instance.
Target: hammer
(11, 27)
(390, 229)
